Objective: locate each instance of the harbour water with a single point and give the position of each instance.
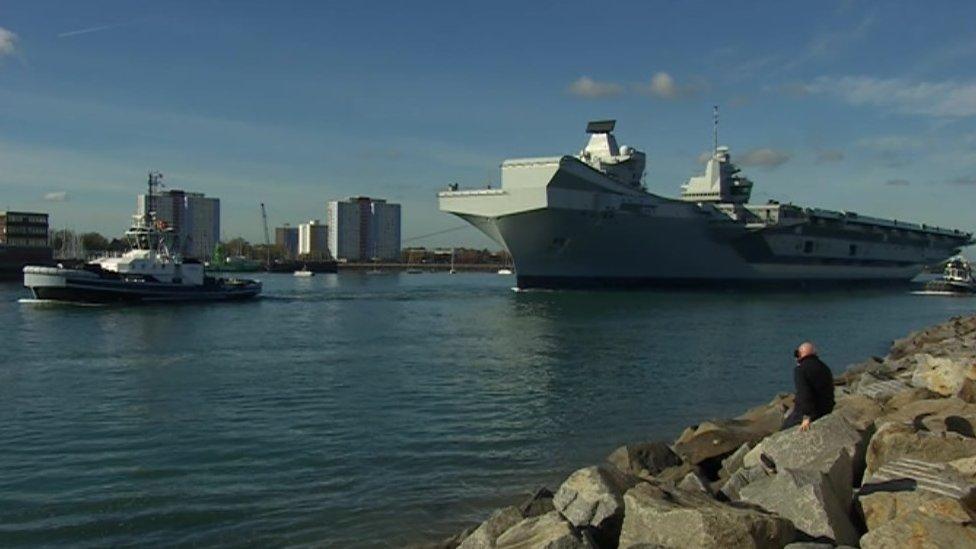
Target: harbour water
(360, 410)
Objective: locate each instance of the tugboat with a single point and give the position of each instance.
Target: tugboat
(149, 272)
(957, 278)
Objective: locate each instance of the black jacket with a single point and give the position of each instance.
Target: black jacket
(814, 388)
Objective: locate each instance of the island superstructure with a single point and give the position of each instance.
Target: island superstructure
(587, 220)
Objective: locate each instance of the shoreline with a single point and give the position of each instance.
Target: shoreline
(896, 459)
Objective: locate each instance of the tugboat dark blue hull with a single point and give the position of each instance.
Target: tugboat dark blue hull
(79, 286)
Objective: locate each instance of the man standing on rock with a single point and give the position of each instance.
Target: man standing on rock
(814, 388)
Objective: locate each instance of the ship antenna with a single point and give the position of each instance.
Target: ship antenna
(714, 127)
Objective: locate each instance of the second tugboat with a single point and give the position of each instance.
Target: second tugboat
(148, 272)
(957, 278)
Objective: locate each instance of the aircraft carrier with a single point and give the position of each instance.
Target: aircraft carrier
(586, 220)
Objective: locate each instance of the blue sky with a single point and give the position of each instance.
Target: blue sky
(848, 105)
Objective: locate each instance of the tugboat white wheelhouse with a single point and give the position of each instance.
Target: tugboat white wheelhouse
(149, 271)
(586, 220)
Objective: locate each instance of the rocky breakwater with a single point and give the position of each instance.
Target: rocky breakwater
(893, 466)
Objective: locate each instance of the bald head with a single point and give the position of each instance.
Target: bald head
(805, 349)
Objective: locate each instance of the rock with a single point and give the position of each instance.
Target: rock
(734, 462)
(537, 504)
(740, 479)
(947, 376)
(487, 533)
(694, 482)
(716, 439)
(655, 517)
(897, 440)
(859, 410)
(935, 478)
(809, 545)
(918, 530)
(933, 415)
(548, 531)
(807, 499)
(965, 467)
(878, 508)
(831, 446)
(644, 459)
(592, 497)
(881, 389)
(906, 396)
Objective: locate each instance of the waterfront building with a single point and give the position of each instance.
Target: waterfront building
(28, 229)
(313, 239)
(286, 238)
(194, 218)
(364, 229)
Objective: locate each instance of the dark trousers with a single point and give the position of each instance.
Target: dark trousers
(795, 418)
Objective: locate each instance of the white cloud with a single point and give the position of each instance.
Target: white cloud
(942, 99)
(8, 42)
(664, 86)
(585, 86)
(764, 158)
(56, 196)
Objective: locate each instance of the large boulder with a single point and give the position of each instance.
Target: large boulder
(919, 530)
(487, 533)
(859, 410)
(807, 499)
(740, 479)
(936, 415)
(898, 440)
(657, 517)
(965, 467)
(548, 531)
(831, 446)
(592, 498)
(644, 459)
(881, 507)
(947, 376)
(717, 439)
(734, 462)
(539, 503)
(907, 396)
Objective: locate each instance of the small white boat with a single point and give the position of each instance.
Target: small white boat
(304, 273)
(504, 271)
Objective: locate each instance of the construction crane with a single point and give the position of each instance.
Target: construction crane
(267, 235)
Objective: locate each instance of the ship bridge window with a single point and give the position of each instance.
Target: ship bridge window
(808, 247)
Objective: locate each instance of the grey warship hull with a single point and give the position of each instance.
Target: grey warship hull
(568, 223)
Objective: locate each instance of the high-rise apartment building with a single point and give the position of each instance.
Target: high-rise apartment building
(194, 218)
(364, 229)
(313, 240)
(286, 238)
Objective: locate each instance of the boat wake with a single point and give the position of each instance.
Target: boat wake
(57, 303)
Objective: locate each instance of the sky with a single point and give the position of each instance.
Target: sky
(861, 106)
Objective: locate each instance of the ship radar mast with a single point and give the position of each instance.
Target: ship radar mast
(714, 127)
(721, 182)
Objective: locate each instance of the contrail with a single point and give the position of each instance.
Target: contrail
(93, 29)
